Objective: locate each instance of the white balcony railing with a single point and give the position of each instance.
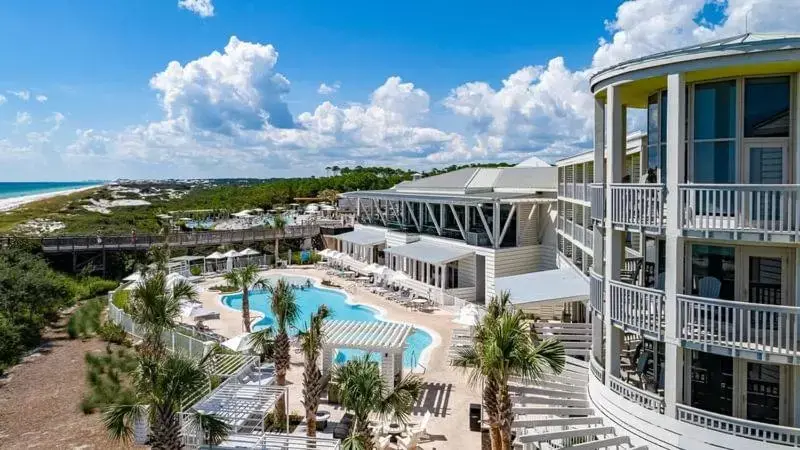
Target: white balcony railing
(597, 369)
(597, 200)
(637, 204)
(739, 325)
(570, 190)
(596, 291)
(641, 397)
(774, 434)
(588, 238)
(770, 208)
(578, 232)
(637, 307)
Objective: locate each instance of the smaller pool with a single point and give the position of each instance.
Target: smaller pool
(310, 299)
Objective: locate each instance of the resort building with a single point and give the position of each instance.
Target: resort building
(690, 240)
(459, 234)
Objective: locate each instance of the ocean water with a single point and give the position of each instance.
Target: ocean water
(9, 190)
(310, 299)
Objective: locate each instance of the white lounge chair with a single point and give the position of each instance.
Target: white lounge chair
(408, 442)
(422, 427)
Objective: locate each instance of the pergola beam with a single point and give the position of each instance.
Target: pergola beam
(433, 218)
(485, 225)
(508, 222)
(413, 216)
(458, 222)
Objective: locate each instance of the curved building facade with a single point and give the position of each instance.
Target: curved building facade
(695, 274)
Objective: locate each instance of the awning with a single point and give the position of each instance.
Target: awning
(430, 253)
(549, 286)
(363, 237)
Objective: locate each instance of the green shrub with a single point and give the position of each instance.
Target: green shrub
(195, 271)
(111, 332)
(85, 321)
(121, 299)
(10, 343)
(224, 288)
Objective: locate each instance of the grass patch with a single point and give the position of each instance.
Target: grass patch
(85, 321)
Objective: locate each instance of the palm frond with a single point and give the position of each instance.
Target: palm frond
(119, 420)
(215, 430)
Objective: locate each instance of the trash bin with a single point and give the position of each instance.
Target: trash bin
(474, 417)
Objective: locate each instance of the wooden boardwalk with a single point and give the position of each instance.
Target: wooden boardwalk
(64, 244)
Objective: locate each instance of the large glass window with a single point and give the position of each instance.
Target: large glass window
(715, 110)
(766, 107)
(715, 132)
(712, 382)
(656, 137)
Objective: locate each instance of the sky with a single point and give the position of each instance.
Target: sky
(99, 89)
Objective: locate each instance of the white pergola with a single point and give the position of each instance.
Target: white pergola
(388, 339)
(244, 407)
(360, 244)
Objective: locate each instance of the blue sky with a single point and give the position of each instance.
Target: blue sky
(94, 60)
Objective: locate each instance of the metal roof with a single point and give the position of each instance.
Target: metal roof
(444, 198)
(429, 252)
(362, 236)
(372, 336)
(558, 285)
(744, 45)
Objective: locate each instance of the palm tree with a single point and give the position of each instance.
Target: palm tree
(262, 342)
(503, 348)
(286, 312)
(311, 345)
(278, 224)
(156, 307)
(158, 388)
(364, 391)
(243, 279)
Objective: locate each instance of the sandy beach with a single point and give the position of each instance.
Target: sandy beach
(7, 204)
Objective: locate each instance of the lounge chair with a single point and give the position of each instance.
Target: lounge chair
(408, 442)
(421, 428)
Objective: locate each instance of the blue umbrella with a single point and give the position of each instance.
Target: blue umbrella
(341, 358)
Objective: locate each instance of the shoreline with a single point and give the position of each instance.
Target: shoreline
(11, 203)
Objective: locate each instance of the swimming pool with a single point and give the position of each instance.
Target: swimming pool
(311, 298)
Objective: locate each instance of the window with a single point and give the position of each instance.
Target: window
(715, 132)
(657, 138)
(766, 107)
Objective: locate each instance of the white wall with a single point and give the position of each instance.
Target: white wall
(528, 224)
(396, 238)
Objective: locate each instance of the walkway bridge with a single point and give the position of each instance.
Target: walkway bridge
(87, 243)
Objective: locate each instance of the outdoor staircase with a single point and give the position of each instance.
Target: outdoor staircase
(576, 337)
(556, 413)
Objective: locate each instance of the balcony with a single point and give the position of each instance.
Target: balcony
(637, 309)
(637, 206)
(748, 330)
(772, 434)
(577, 190)
(741, 211)
(641, 397)
(596, 292)
(597, 369)
(597, 199)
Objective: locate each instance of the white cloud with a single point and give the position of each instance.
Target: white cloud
(22, 95)
(203, 8)
(88, 143)
(56, 119)
(325, 89)
(3, 99)
(41, 98)
(225, 92)
(23, 118)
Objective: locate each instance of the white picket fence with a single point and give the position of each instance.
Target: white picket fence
(173, 339)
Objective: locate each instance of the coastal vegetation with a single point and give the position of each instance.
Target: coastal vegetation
(219, 195)
(311, 340)
(243, 279)
(32, 295)
(286, 312)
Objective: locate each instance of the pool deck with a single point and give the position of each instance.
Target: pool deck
(447, 393)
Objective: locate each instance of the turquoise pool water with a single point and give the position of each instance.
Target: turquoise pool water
(310, 299)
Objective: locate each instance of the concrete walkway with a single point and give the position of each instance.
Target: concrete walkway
(447, 394)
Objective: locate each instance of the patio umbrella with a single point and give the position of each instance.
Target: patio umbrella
(197, 312)
(468, 315)
(324, 253)
(341, 358)
(215, 255)
(398, 277)
(230, 254)
(240, 343)
(248, 252)
(135, 276)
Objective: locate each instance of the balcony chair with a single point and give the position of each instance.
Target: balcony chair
(630, 271)
(660, 281)
(709, 287)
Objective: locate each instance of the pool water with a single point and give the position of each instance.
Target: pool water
(309, 300)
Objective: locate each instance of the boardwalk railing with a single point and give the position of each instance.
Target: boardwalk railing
(740, 325)
(597, 369)
(774, 434)
(637, 204)
(770, 208)
(637, 307)
(72, 243)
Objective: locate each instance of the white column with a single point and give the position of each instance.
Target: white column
(599, 176)
(673, 277)
(444, 276)
(615, 133)
(496, 224)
